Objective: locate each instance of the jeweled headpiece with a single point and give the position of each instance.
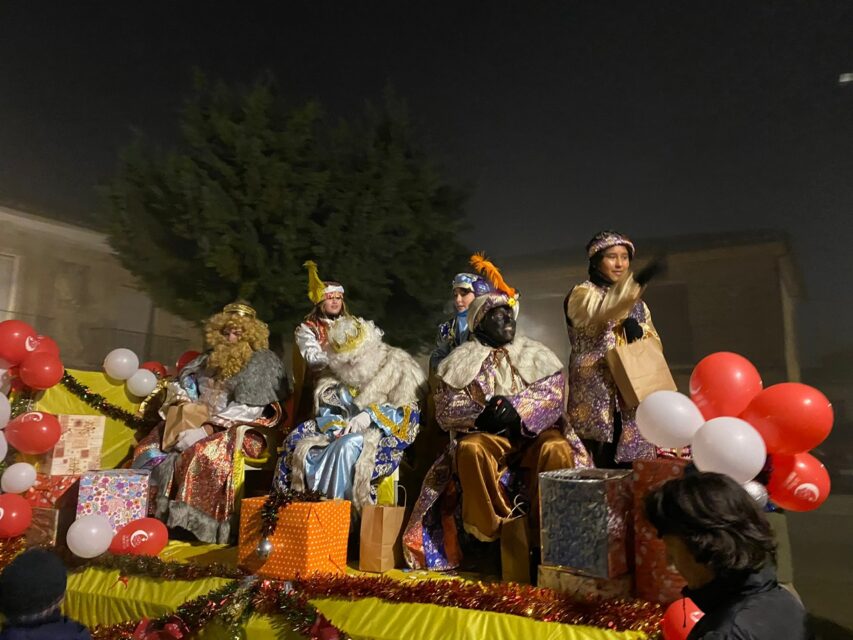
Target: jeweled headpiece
(471, 282)
(607, 240)
(500, 293)
(318, 290)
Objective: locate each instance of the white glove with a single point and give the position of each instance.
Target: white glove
(357, 424)
(189, 437)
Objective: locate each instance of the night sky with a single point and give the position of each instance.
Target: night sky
(657, 118)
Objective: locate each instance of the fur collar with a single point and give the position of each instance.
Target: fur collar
(532, 359)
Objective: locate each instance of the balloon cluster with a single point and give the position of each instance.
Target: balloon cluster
(736, 427)
(141, 380)
(27, 359)
(92, 535)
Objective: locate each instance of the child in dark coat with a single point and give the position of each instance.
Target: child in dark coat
(32, 588)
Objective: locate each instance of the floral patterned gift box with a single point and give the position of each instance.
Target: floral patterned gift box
(120, 495)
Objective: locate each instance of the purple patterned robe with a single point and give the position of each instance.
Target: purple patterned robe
(593, 397)
(430, 537)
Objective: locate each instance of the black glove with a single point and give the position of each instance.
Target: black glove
(499, 416)
(656, 267)
(633, 330)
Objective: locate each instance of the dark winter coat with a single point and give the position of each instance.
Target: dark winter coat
(747, 607)
(55, 628)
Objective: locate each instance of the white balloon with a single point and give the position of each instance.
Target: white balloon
(142, 383)
(18, 477)
(731, 446)
(89, 536)
(5, 377)
(757, 492)
(121, 364)
(4, 448)
(5, 410)
(668, 419)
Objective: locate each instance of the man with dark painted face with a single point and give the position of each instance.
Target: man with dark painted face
(500, 396)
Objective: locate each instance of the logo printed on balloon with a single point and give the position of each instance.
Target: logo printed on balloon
(138, 537)
(32, 416)
(31, 343)
(808, 491)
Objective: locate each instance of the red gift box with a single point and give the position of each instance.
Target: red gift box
(655, 579)
(49, 490)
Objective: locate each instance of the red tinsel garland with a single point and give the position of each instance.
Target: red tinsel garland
(291, 599)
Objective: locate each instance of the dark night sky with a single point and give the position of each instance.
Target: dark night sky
(657, 118)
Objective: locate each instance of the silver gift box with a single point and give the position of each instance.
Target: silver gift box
(586, 520)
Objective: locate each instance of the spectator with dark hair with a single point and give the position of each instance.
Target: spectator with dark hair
(32, 588)
(722, 544)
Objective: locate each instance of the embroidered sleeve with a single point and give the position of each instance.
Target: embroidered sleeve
(456, 409)
(540, 405)
(586, 306)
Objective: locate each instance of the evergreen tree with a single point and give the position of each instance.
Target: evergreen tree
(258, 187)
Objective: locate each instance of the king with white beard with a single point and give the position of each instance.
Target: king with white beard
(366, 414)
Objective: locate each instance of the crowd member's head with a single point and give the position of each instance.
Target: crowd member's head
(610, 254)
(711, 527)
(32, 587)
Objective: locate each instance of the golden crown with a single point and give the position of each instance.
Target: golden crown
(352, 340)
(240, 309)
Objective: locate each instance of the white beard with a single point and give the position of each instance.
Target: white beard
(381, 374)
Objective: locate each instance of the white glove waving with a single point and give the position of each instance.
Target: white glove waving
(357, 423)
(189, 437)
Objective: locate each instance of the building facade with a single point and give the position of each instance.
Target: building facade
(67, 283)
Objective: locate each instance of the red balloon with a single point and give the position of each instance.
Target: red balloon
(143, 537)
(16, 514)
(41, 370)
(34, 432)
(46, 345)
(185, 359)
(798, 482)
(791, 417)
(679, 619)
(157, 368)
(17, 340)
(723, 384)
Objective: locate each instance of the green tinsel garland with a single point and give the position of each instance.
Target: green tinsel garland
(102, 405)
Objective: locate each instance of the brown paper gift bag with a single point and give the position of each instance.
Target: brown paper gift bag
(179, 418)
(380, 544)
(515, 547)
(639, 369)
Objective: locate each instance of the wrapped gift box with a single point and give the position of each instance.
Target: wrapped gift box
(581, 586)
(586, 520)
(120, 495)
(654, 579)
(49, 526)
(309, 537)
(52, 491)
(79, 447)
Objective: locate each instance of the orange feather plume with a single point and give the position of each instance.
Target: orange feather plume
(487, 268)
